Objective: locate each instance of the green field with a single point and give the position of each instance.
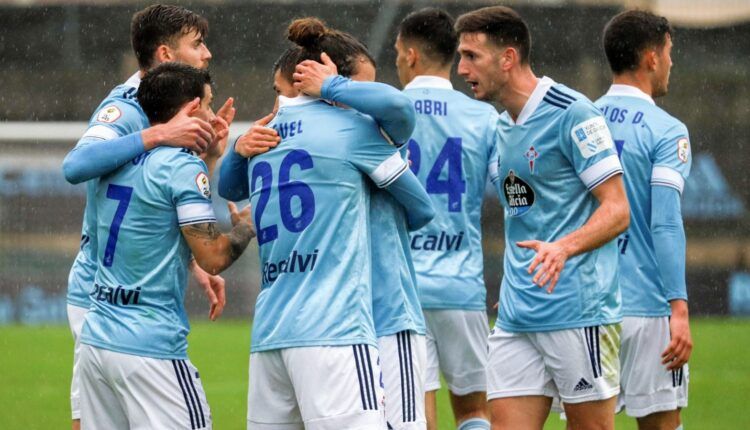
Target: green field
(35, 373)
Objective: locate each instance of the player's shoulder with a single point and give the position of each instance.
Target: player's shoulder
(120, 106)
(666, 123)
(170, 158)
(571, 104)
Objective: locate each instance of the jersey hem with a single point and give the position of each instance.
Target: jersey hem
(78, 304)
(646, 314)
(316, 342)
(129, 351)
(557, 327)
(395, 330)
(481, 307)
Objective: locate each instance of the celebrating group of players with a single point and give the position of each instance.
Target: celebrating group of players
(366, 204)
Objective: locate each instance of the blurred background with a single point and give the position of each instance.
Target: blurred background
(59, 59)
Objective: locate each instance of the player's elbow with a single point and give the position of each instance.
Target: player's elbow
(421, 217)
(72, 169)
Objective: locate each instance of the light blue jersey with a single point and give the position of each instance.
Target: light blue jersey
(655, 151)
(451, 151)
(142, 259)
(550, 159)
(395, 300)
(118, 115)
(310, 202)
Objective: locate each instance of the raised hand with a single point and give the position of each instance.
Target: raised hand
(258, 139)
(309, 75)
(185, 130)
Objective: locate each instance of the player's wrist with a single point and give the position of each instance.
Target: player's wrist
(679, 308)
(152, 136)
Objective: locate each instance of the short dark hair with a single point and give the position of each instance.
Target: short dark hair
(629, 33)
(159, 25)
(433, 30)
(312, 38)
(166, 88)
(502, 25)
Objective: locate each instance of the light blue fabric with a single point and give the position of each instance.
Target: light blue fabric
(118, 115)
(548, 165)
(310, 198)
(142, 259)
(655, 152)
(451, 151)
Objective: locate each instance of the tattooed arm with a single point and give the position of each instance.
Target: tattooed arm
(215, 251)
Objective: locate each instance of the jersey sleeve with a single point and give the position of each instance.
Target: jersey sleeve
(191, 191)
(587, 143)
(374, 156)
(672, 159)
(112, 139)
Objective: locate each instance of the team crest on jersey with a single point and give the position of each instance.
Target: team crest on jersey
(592, 136)
(683, 150)
(531, 155)
(518, 194)
(109, 114)
(202, 182)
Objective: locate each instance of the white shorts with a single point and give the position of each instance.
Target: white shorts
(123, 391)
(403, 359)
(316, 388)
(576, 365)
(76, 315)
(456, 346)
(647, 385)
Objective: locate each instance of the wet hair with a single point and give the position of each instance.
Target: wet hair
(629, 33)
(166, 88)
(432, 29)
(503, 27)
(161, 25)
(311, 38)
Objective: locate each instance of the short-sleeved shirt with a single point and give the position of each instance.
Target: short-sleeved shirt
(549, 160)
(655, 151)
(119, 114)
(452, 152)
(142, 259)
(311, 202)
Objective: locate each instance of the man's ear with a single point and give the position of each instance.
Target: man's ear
(507, 58)
(650, 59)
(163, 54)
(411, 57)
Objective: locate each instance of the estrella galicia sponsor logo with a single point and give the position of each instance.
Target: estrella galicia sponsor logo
(518, 194)
(118, 296)
(296, 263)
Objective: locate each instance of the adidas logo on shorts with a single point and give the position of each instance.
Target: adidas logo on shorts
(583, 384)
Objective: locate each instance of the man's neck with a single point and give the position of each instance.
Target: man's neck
(521, 84)
(634, 79)
(440, 72)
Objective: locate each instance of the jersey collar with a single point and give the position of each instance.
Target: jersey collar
(621, 90)
(134, 81)
(535, 98)
(425, 81)
(296, 101)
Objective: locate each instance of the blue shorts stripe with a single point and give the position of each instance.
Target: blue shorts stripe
(195, 393)
(372, 381)
(402, 368)
(184, 394)
(413, 408)
(359, 376)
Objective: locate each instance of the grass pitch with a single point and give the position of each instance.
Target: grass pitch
(35, 367)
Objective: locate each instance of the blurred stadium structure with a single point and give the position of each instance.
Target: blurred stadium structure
(60, 58)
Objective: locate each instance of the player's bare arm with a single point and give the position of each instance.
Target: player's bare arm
(611, 218)
(183, 130)
(215, 251)
(680, 346)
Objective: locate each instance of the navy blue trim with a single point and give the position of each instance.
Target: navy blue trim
(598, 351)
(359, 376)
(561, 94)
(195, 393)
(412, 397)
(589, 332)
(402, 369)
(553, 103)
(395, 176)
(558, 99)
(185, 394)
(190, 394)
(372, 382)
